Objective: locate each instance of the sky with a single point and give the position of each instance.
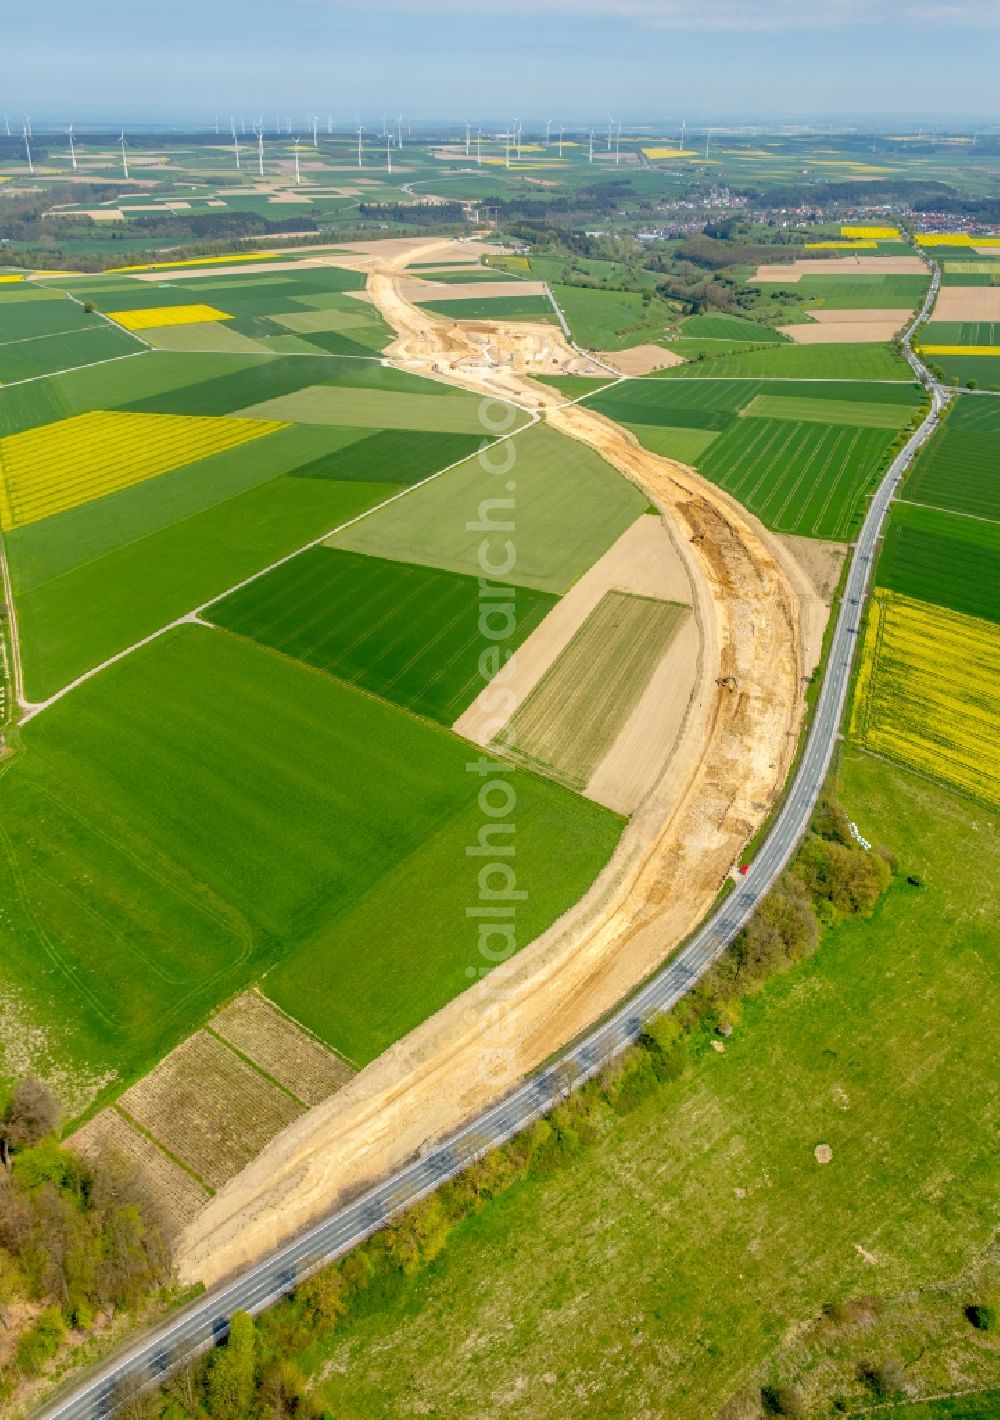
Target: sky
(576, 59)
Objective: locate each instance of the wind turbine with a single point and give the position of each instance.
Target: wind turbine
(236, 149)
(618, 147)
(479, 147)
(243, 125)
(562, 130)
(388, 152)
(360, 131)
(315, 121)
(610, 126)
(124, 157)
(260, 150)
(72, 150)
(27, 119)
(298, 175)
(708, 139)
(216, 123)
(399, 132)
(467, 126)
(517, 138)
(548, 131)
(27, 149)
(6, 120)
(329, 123)
(506, 139)
(684, 124)
(591, 154)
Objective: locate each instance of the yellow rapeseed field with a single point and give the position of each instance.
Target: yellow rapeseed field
(959, 349)
(655, 153)
(947, 239)
(15, 277)
(928, 692)
(874, 234)
(152, 317)
(44, 471)
(196, 261)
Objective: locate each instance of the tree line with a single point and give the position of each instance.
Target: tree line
(80, 1241)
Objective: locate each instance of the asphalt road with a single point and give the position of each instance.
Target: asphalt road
(205, 1321)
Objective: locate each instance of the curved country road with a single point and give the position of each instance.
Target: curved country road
(206, 1320)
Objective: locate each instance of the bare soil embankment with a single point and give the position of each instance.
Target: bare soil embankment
(729, 761)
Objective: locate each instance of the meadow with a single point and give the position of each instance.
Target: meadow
(410, 634)
(734, 328)
(928, 693)
(569, 506)
(611, 320)
(688, 1245)
(933, 556)
(957, 471)
(798, 477)
(204, 807)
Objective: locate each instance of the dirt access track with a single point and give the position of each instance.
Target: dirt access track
(732, 755)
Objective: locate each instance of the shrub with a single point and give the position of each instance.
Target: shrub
(885, 1380)
(40, 1342)
(982, 1315)
(784, 1400)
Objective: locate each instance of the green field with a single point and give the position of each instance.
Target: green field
(697, 1237)
(849, 293)
(495, 308)
(828, 411)
(958, 470)
(611, 320)
(566, 509)
(730, 328)
(799, 362)
(201, 810)
(410, 634)
(451, 412)
(799, 477)
(149, 377)
(976, 415)
(708, 403)
(944, 332)
(75, 621)
(90, 341)
(686, 445)
(935, 556)
(970, 371)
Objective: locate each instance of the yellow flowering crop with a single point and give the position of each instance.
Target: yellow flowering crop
(928, 692)
(196, 261)
(842, 246)
(959, 349)
(152, 317)
(656, 153)
(873, 234)
(44, 471)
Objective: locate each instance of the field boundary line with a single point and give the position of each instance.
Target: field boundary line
(951, 512)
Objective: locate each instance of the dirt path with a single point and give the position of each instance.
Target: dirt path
(732, 756)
